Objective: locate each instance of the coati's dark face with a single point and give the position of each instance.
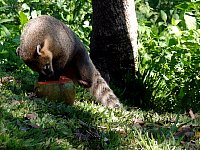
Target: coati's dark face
(41, 62)
(44, 63)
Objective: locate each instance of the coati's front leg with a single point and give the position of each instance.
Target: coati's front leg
(53, 77)
(43, 78)
(85, 70)
(78, 75)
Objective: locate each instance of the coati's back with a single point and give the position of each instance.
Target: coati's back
(46, 28)
(49, 47)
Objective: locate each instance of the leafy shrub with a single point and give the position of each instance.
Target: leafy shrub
(169, 56)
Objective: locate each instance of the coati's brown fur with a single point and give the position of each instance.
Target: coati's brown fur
(52, 49)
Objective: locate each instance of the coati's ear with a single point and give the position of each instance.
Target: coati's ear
(17, 51)
(38, 49)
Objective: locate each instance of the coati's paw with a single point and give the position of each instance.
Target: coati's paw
(112, 102)
(84, 83)
(118, 105)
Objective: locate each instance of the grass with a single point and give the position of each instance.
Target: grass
(27, 122)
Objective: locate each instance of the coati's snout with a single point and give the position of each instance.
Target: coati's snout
(47, 70)
(45, 61)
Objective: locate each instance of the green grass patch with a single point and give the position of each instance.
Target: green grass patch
(27, 122)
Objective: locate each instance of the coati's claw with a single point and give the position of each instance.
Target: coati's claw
(84, 83)
(118, 105)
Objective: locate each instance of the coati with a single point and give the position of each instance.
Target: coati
(52, 49)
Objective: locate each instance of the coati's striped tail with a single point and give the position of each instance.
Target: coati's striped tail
(102, 92)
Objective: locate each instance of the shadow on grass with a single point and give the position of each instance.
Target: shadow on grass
(58, 126)
(55, 126)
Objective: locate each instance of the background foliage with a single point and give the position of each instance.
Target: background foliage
(169, 46)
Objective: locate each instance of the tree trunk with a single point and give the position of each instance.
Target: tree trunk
(114, 42)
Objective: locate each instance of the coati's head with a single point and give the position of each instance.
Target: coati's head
(40, 61)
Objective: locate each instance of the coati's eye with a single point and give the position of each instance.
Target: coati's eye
(47, 69)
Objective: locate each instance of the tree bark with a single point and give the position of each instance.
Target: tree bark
(114, 42)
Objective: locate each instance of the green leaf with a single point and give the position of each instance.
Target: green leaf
(86, 24)
(190, 21)
(182, 6)
(173, 41)
(163, 15)
(34, 14)
(181, 94)
(25, 6)
(175, 30)
(175, 21)
(165, 77)
(5, 30)
(4, 54)
(23, 18)
(5, 20)
(2, 1)
(146, 58)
